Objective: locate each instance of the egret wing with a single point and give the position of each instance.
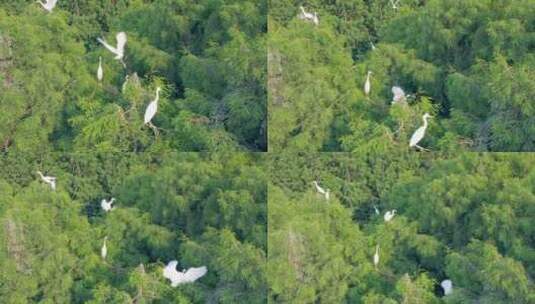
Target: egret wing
(121, 41)
(194, 274)
(417, 136)
(106, 45)
(150, 112)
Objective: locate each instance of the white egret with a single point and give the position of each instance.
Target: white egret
(376, 210)
(49, 5)
(367, 85)
(321, 190)
(308, 16)
(177, 277)
(100, 72)
(119, 50)
(418, 135)
(395, 5)
(51, 180)
(104, 249)
(399, 95)
(376, 256)
(316, 19)
(106, 205)
(389, 215)
(447, 285)
(372, 45)
(152, 107)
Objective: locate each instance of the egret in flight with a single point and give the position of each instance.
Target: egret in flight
(419, 134)
(104, 249)
(389, 215)
(308, 16)
(447, 285)
(321, 190)
(49, 5)
(177, 277)
(100, 72)
(395, 4)
(376, 256)
(51, 180)
(367, 84)
(119, 50)
(399, 95)
(106, 205)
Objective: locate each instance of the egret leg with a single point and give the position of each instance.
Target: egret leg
(154, 129)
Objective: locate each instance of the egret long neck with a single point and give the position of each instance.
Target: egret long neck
(425, 121)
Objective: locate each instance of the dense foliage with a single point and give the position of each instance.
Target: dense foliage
(195, 208)
(470, 63)
(467, 218)
(208, 56)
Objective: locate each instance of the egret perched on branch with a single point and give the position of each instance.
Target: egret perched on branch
(376, 256)
(106, 205)
(418, 135)
(104, 249)
(100, 72)
(177, 277)
(399, 95)
(389, 215)
(49, 5)
(51, 180)
(151, 111)
(152, 107)
(447, 285)
(308, 16)
(321, 190)
(367, 84)
(119, 50)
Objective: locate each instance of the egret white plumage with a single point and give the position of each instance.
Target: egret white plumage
(376, 210)
(100, 71)
(186, 276)
(447, 285)
(321, 190)
(419, 134)
(106, 205)
(49, 5)
(152, 107)
(367, 84)
(51, 180)
(372, 45)
(304, 15)
(376, 256)
(104, 249)
(399, 95)
(389, 215)
(119, 49)
(316, 19)
(395, 4)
